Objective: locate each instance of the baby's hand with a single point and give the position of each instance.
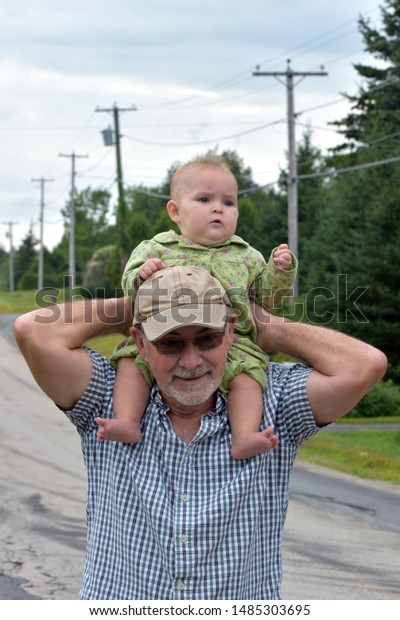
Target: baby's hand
(151, 266)
(282, 256)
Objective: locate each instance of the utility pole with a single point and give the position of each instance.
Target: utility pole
(121, 219)
(292, 176)
(72, 250)
(9, 234)
(42, 182)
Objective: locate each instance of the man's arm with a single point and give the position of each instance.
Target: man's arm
(345, 369)
(51, 341)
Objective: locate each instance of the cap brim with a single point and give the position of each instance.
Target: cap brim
(214, 316)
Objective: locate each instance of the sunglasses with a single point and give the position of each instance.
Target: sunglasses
(175, 346)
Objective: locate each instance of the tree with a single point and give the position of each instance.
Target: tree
(242, 173)
(92, 229)
(96, 276)
(26, 262)
(247, 225)
(148, 204)
(310, 190)
(4, 269)
(359, 229)
(376, 104)
(313, 194)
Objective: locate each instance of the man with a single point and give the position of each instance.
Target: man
(174, 516)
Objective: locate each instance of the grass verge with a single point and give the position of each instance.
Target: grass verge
(25, 301)
(388, 419)
(370, 454)
(14, 303)
(104, 345)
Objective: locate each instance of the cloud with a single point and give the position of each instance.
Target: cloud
(186, 65)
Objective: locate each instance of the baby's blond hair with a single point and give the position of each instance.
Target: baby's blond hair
(201, 161)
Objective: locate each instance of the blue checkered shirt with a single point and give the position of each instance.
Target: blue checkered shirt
(173, 521)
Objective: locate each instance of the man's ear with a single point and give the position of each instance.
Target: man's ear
(138, 338)
(173, 211)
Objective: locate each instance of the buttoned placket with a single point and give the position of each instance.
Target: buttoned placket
(187, 509)
(182, 513)
(183, 517)
(183, 562)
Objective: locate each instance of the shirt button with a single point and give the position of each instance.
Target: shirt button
(189, 450)
(183, 538)
(181, 585)
(184, 497)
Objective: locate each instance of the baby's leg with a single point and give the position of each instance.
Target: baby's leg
(131, 394)
(245, 411)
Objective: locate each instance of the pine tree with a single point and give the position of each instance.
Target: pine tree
(359, 231)
(26, 260)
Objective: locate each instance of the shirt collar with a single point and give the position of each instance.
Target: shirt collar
(171, 237)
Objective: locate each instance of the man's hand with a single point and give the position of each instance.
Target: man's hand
(151, 266)
(345, 368)
(282, 257)
(51, 341)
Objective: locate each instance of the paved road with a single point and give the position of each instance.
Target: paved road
(342, 537)
(42, 486)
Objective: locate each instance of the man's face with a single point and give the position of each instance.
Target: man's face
(192, 376)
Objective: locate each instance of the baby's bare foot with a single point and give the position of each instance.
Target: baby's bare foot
(254, 443)
(118, 430)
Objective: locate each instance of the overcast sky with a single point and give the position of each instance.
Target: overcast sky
(185, 65)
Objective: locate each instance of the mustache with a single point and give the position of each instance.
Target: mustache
(187, 373)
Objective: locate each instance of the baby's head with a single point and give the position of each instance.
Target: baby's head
(204, 200)
(213, 163)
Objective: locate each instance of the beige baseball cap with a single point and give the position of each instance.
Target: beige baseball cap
(177, 297)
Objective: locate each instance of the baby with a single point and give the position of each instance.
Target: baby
(204, 206)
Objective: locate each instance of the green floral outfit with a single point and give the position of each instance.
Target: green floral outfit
(243, 273)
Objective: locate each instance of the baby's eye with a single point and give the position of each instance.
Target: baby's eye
(204, 199)
(229, 203)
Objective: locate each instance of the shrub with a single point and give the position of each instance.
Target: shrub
(382, 400)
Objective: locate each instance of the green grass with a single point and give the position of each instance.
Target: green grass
(20, 301)
(366, 453)
(392, 419)
(104, 345)
(25, 301)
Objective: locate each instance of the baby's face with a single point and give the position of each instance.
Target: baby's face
(206, 206)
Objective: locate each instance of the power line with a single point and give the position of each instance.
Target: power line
(200, 142)
(319, 37)
(332, 172)
(336, 171)
(235, 78)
